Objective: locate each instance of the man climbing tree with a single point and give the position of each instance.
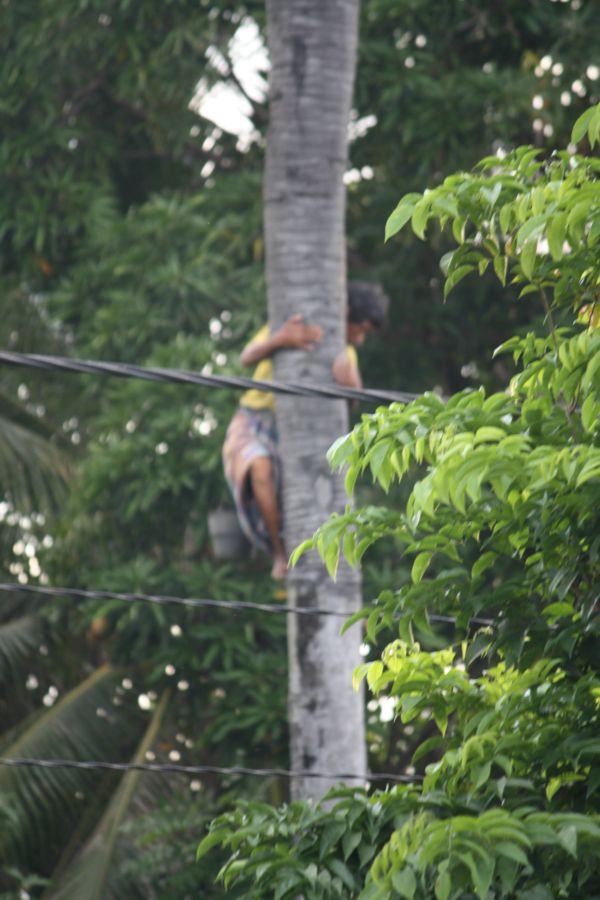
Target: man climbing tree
(251, 456)
(313, 51)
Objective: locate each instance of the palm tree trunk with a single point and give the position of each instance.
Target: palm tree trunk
(313, 50)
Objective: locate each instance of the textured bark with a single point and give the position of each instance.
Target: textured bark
(312, 47)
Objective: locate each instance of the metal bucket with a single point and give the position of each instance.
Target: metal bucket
(227, 538)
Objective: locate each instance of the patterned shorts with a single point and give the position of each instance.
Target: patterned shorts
(251, 434)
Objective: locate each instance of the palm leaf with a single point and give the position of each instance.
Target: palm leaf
(43, 801)
(33, 471)
(90, 873)
(16, 603)
(20, 415)
(18, 640)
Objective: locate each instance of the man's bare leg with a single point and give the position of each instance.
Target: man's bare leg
(263, 488)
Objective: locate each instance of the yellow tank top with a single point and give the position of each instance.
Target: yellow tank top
(255, 399)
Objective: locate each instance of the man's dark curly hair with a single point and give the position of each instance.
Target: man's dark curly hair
(367, 301)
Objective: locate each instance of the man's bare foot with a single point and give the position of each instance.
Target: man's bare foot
(279, 568)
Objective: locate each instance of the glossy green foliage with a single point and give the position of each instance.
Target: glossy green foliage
(501, 534)
(117, 244)
(404, 844)
(162, 850)
(449, 82)
(330, 850)
(537, 221)
(88, 114)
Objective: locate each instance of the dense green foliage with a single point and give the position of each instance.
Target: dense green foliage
(116, 245)
(450, 82)
(502, 522)
(131, 230)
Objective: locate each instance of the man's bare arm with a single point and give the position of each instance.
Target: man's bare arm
(294, 334)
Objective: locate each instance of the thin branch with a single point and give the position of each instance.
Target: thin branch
(567, 407)
(75, 104)
(550, 319)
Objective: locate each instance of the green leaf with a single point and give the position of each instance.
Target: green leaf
(374, 672)
(405, 882)
(590, 470)
(212, 839)
(304, 547)
(577, 218)
(511, 851)
(525, 163)
(591, 372)
(356, 617)
(481, 565)
(530, 231)
(343, 873)
(359, 673)
(350, 842)
(593, 780)
(527, 258)
(350, 480)
(501, 268)
(556, 233)
(482, 775)
(489, 433)
(401, 215)
(553, 786)
(378, 455)
(506, 217)
(419, 566)
(446, 261)
(349, 546)
(581, 125)
(287, 883)
(491, 194)
(568, 839)
(443, 885)
(445, 204)
(339, 452)
(332, 558)
(310, 873)
(458, 229)
(556, 610)
(594, 127)
(590, 411)
(330, 836)
(420, 215)
(456, 276)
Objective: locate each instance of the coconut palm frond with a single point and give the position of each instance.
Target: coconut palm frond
(44, 802)
(18, 414)
(15, 604)
(33, 471)
(19, 639)
(89, 874)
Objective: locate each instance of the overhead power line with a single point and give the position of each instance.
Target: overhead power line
(177, 769)
(181, 376)
(197, 602)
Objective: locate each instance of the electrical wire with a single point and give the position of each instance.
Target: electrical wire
(166, 600)
(175, 768)
(181, 376)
